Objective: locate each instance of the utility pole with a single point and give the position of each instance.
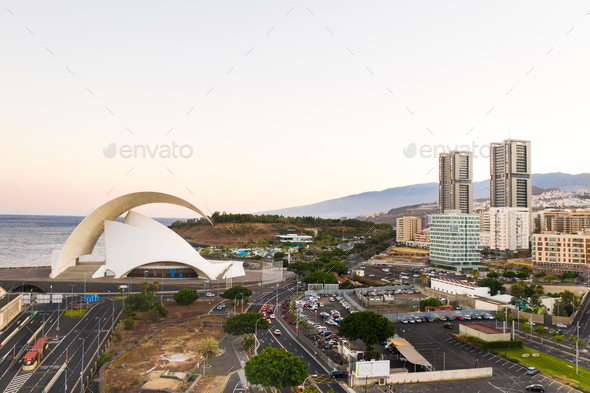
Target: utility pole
(82, 368)
(72, 301)
(85, 287)
(577, 339)
(98, 340)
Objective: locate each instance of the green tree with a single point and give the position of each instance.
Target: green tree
(474, 273)
(550, 278)
(509, 274)
(279, 255)
(430, 302)
(146, 287)
(368, 326)
(156, 287)
(527, 328)
(241, 324)
(140, 301)
(234, 291)
(539, 275)
(494, 285)
(275, 368)
(347, 285)
(522, 275)
(320, 278)
(186, 296)
(338, 267)
(248, 343)
(493, 274)
(298, 267)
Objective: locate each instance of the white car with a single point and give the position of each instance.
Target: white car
(332, 299)
(325, 314)
(404, 320)
(332, 322)
(561, 325)
(209, 294)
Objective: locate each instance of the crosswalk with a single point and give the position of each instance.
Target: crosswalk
(17, 382)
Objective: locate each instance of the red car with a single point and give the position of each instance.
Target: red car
(459, 317)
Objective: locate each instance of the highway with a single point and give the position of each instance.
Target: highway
(14, 379)
(285, 340)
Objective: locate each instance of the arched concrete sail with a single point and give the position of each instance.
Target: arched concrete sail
(84, 238)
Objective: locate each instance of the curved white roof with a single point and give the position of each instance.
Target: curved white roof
(139, 240)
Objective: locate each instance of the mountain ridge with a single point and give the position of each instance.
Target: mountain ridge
(390, 198)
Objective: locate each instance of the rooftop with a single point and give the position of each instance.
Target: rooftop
(456, 281)
(482, 327)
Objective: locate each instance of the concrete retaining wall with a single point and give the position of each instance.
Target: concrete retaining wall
(430, 376)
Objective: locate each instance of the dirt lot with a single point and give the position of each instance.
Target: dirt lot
(407, 250)
(173, 348)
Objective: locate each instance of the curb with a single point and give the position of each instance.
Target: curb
(227, 379)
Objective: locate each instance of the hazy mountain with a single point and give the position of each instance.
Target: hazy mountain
(380, 201)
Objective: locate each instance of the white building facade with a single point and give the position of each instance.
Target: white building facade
(510, 228)
(455, 241)
(455, 286)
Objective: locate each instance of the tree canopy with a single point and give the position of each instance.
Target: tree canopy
(140, 301)
(232, 292)
(494, 285)
(245, 323)
(186, 296)
(493, 274)
(338, 267)
(275, 368)
(431, 301)
(368, 326)
(320, 278)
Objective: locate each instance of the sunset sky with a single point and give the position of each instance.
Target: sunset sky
(281, 103)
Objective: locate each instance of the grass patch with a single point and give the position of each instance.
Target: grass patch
(118, 297)
(551, 365)
(74, 313)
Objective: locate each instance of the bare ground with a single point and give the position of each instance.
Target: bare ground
(173, 347)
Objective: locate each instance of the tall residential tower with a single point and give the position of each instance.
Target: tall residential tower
(455, 188)
(510, 174)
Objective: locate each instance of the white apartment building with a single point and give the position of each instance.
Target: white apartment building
(454, 241)
(509, 228)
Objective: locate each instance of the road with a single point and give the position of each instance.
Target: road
(13, 378)
(286, 340)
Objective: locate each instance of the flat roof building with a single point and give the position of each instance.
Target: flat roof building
(483, 331)
(510, 174)
(407, 228)
(456, 286)
(556, 253)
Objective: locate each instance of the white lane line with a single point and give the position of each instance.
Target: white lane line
(498, 360)
(505, 364)
(551, 383)
(513, 366)
(485, 355)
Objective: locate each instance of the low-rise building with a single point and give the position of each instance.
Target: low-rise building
(483, 331)
(456, 286)
(509, 228)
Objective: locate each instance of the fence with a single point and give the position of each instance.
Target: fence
(305, 338)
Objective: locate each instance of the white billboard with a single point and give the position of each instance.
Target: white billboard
(375, 368)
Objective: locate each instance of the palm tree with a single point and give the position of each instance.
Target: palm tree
(145, 287)
(558, 338)
(424, 278)
(209, 349)
(475, 274)
(540, 330)
(156, 286)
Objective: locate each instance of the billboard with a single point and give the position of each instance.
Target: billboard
(91, 297)
(375, 368)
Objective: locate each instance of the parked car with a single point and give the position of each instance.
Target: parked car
(459, 317)
(561, 325)
(535, 388)
(209, 294)
(429, 319)
(448, 325)
(532, 371)
(442, 318)
(404, 320)
(450, 318)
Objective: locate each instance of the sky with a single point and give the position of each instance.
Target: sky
(277, 104)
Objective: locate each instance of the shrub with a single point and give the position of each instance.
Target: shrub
(117, 337)
(129, 324)
(104, 357)
(160, 310)
(248, 343)
(140, 301)
(494, 344)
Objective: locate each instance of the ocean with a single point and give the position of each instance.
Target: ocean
(30, 240)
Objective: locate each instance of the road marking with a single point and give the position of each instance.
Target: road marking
(551, 383)
(498, 360)
(485, 355)
(505, 364)
(559, 388)
(513, 366)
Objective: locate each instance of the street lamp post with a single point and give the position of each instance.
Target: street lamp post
(256, 334)
(84, 287)
(82, 367)
(72, 300)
